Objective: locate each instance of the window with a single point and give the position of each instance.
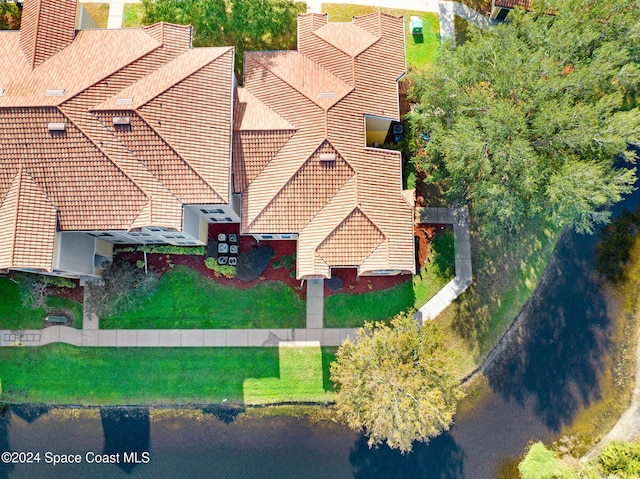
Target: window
(266, 236)
(213, 220)
(228, 219)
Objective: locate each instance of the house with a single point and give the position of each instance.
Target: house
(501, 8)
(132, 136)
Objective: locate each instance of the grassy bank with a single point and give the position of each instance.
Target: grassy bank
(185, 299)
(63, 374)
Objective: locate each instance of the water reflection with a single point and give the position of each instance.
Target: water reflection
(440, 459)
(126, 431)
(557, 356)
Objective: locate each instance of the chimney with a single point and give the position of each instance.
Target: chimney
(48, 26)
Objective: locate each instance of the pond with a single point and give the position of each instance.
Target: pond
(536, 386)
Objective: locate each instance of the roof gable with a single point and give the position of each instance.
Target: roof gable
(48, 26)
(27, 239)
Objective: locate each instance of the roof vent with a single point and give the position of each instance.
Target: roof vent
(55, 92)
(57, 126)
(124, 101)
(1, 91)
(121, 120)
(327, 157)
(326, 94)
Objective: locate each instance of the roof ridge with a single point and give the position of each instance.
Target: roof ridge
(168, 64)
(186, 162)
(287, 81)
(133, 178)
(277, 193)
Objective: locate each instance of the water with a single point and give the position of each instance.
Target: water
(537, 386)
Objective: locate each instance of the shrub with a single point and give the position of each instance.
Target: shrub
(621, 459)
(334, 283)
(225, 270)
(252, 263)
(164, 249)
(122, 283)
(140, 264)
(286, 262)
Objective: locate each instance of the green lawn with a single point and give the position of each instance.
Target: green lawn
(14, 315)
(421, 50)
(132, 17)
(185, 299)
(63, 374)
(344, 310)
(301, 376)
(437, 271)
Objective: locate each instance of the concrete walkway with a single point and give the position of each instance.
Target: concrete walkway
(171, 338)
(459, 218)
(315, 303)
(445, 9)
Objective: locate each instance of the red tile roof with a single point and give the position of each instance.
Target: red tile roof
(351, 211)
(526, 4)
(96, 176)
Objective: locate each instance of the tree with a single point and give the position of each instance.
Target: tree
(10, 15)
(244, 24)
(396, 383)
(526, 119)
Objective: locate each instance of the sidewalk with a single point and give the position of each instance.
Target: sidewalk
(459, 218)
(173, 338)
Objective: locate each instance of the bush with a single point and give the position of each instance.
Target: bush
(286, 262)
(252, 263)
(121, 284)
(621, 459)
(164, 249)
(225, 270)
(334, 283)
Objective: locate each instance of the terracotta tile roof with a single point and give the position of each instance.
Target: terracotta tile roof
(252, 150)
(96, 176)
(351, 242)
(252, 114)
(349, 38)
(306, 76)
(48, 28)
(351, 212)
(29, 225)
(93, 55)
(526, 4)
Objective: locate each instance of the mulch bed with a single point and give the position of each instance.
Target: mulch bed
(161, 263)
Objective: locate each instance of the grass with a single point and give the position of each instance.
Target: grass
(344, 310)
(301, 377)
(438, 270)
(421, 50)
(99, 12)
(185, 299)
(14, 315)
(63, 374)
(132, 17)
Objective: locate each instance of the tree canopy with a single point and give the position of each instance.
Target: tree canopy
(10, 15)
(396, 383)
(527, 118)
(243, 24)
